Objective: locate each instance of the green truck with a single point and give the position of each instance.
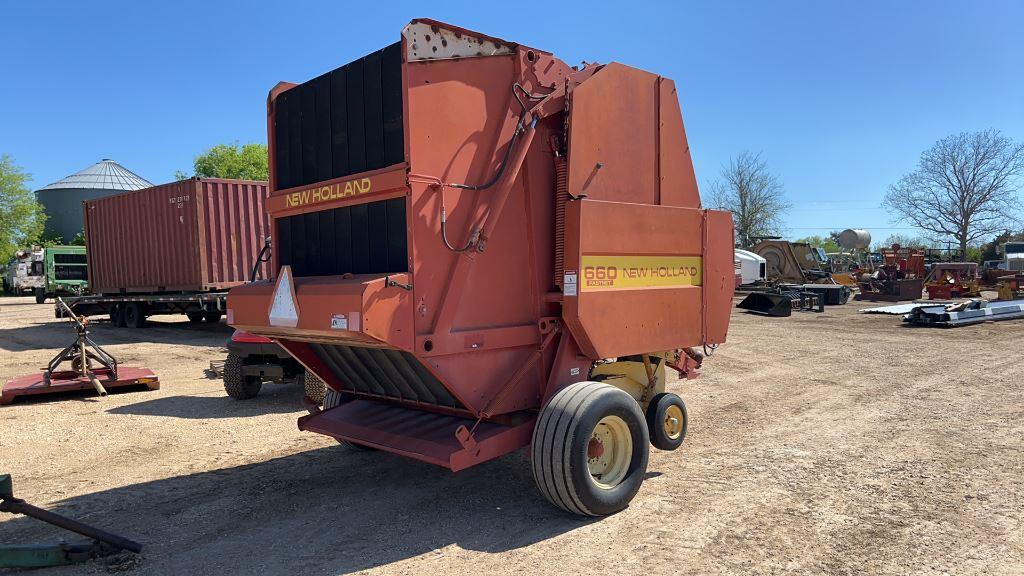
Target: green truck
(65, 272)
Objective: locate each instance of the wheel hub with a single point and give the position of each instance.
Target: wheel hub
(673, 424)
(609, 452)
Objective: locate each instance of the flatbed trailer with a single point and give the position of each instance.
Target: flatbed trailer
(132, 310)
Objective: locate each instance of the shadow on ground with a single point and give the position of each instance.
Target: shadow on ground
(58, 333)
(331, 510)
(272, 399)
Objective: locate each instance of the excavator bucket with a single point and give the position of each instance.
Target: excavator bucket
(768, 303)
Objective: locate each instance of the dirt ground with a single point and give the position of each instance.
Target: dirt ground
(833, 443)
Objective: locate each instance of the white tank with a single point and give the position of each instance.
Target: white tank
(752, 267)
(854, 239)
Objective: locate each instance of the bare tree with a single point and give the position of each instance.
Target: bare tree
(964, 188)
(754, 195)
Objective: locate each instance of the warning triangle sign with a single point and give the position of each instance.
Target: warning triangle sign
(283, 309)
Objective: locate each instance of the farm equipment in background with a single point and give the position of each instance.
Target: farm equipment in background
(24, 272)
(948, 280)
(90, 367)
(780, 301)
(65, 272)
(794, 262)
(901, 276)
(479, 249)
(102, 543)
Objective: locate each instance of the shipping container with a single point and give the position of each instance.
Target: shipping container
(195, 235)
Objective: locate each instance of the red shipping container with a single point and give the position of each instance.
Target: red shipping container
(196, 235)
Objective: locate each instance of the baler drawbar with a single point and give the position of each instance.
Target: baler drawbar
(479, 248)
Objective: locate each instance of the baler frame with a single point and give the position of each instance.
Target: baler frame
(450, 356)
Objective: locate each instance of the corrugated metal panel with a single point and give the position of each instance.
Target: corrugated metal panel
(193, 235)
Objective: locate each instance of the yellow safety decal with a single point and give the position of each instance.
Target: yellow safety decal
(611, 272)
(330, 192)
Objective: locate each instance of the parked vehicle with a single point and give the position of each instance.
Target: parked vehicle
(172, 249)
(65, 272)
(24, 273)
(253, 360)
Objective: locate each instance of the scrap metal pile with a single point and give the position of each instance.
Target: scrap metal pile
(964, 313)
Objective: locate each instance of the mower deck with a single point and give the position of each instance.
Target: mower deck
(68, 381)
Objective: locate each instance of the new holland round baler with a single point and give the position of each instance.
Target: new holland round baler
(479, 248)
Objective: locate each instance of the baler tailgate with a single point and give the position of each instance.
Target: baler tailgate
(426, 436)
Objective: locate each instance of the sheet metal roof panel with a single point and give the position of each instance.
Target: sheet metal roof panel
(103, 175)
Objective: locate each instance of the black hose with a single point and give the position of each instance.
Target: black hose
(498, 173)
(501, 167)
(262, 257)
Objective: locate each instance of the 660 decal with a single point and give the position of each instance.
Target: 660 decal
(606, 272)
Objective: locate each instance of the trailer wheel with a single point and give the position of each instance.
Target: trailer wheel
(40, 295)
(315, 388)
(212, 317)
(134, 315)
(332, 399)
(236, 384)
(589, 449)
(195, 317)
(667, 421)
(117, 315)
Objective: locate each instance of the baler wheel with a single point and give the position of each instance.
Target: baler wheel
(590, 449)
(236, 384)
(195, 317)
(667, 421)
(40, 295)
(315, 388)
(333, 399)
(212, 317)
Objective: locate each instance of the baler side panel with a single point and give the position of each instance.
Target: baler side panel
(678, 183)
(461, 114)
(613, 136)
(719, 275)
(641, 271)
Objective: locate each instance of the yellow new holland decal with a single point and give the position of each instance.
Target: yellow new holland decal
(331, 192)
(610, 272)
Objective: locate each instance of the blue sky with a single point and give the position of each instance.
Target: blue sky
(839, 97)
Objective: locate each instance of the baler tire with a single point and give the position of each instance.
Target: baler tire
(195, 317)
(212, 317)
(40, 295)
(562, 437)
(134, 315)
(333, 399)
(236, 384)
(666, 434)
(314, 387)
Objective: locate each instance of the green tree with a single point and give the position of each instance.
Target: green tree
(903, 240)
(235, 161)
(21, 217)
(828, 243)
(994, 250)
